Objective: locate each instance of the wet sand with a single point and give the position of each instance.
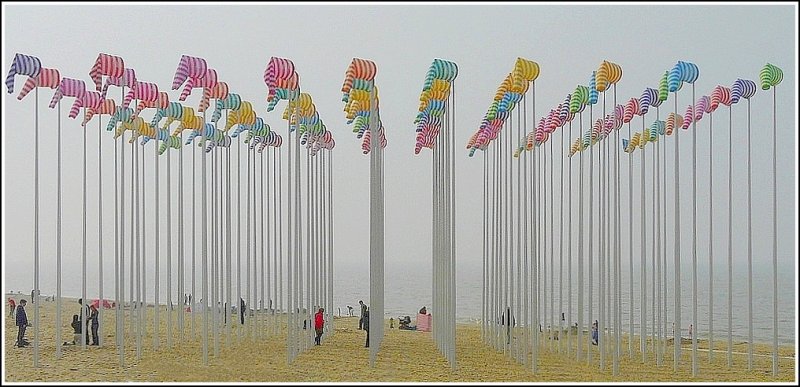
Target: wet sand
(405, 356)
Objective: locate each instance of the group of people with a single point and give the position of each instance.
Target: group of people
(90, 313)
(91, 317)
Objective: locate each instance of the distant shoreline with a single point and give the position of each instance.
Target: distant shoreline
(721, 338)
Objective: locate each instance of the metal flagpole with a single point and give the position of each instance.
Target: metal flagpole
(749, 251)
(730, 237)
(181, 263)
(579, 333)
(774, 238)
(642, 268)
(569, 249)
(561, 244)
(660, 293)
(710, 238)
(225, 246)
(524, 237)
(157, 279)
(58, 229)
(240, 328)
(99, 234)
(193, 295)
(694, 238)
(677, 330)
(203, 226)
(121, 272)
(84, 307)
(653, 291)
(630, 246)
(591, 236)
(248, 321)
(169, 252)
(35, 297)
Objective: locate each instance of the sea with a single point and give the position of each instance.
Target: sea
(408, 287)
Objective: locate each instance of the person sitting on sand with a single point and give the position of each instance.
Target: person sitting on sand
(76, 328)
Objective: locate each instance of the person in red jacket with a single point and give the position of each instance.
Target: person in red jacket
(319, 322)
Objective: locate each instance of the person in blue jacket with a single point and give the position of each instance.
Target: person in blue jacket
(22, 323)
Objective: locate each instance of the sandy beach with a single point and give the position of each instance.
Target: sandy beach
(405, 356)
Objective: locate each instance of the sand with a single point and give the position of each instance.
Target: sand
(405, 356)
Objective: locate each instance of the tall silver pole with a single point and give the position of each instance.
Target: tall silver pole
(156, 331)
(677, 334)
(694, 239)
(58, 228)
(99, 235)
(749, 251)
(774, 238)
(35, 297)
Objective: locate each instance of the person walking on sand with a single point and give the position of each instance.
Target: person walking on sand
(361, 318)
(366, 324)
(319, 322)
(22, 323)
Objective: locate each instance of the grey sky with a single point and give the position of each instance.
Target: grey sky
(568, 41)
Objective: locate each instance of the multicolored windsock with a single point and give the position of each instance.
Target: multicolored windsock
(279, 69)
(143, 91)
(770, 76)
(508, 94)
(742, 88)
(128, 79)
(108, 65)
(22, 65)
(189, 67)
(359, 89)
(207, 80)
(70, 87)
(232, 102)
(46, 78)
(435, 92)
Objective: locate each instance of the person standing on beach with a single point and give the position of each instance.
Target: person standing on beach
(84, 318)
(11, 305)
(361, 318)
(22, 323)
(241, 310)
(94, 320)
(319, 323)
(365, 320)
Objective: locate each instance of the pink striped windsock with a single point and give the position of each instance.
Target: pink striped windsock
(70, 87)
(188, 67)
(46, 78)
(108, 65)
